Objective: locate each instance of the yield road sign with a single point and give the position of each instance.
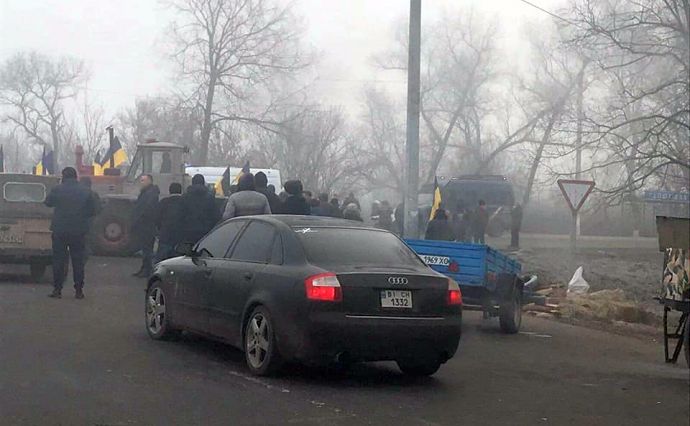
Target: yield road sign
(575, 192)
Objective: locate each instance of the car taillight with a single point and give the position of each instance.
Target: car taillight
(323, 287)
(454, 293)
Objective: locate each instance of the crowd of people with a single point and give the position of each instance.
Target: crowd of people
(186, 216)
(470, 225)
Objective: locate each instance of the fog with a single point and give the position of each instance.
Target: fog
(512, 88)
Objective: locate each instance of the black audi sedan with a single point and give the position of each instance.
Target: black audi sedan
(308, 289)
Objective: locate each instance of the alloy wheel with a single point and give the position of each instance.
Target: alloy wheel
(257, 339)
(155, 311)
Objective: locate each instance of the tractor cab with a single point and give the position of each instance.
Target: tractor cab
(162, 160)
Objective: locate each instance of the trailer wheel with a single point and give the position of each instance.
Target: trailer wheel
(510, 314)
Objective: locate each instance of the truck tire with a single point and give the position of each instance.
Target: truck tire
(510, 313)
(112, 234)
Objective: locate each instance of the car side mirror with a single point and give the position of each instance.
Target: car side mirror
(185, 249)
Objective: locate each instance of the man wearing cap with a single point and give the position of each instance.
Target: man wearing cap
(74, 206)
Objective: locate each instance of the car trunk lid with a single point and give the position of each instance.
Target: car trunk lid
(393, 293)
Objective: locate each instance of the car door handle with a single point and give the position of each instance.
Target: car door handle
(248, 276)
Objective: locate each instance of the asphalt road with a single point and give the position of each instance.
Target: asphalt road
(90, 362)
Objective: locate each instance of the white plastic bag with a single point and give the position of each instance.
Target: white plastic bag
(577, 284)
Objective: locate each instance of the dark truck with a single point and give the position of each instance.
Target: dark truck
(465, 191)
(25, 236)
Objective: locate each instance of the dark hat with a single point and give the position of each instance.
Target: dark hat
(246, 182)
(261, 180)
(198, 180)
(175, 188)
(69, 173)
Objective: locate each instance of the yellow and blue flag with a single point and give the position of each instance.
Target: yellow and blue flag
(115, 153)
(97, 166)
(45, 166)
(245, 169)
(222, 187)
(437, 200)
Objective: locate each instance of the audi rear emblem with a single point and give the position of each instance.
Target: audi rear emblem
(397, 280)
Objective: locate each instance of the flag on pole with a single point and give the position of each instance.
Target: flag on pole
(437, 200)
(116, 153)
(2, 159)
(97, 166)
(245, 169)
(222, 187)
(45, 166)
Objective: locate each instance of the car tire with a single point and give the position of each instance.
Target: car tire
(158, 323)
(37, 271)
(419, 368)
(260, 350)
(510, 314)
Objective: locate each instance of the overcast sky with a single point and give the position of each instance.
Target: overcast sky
(121, 41)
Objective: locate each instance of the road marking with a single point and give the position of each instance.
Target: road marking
(531, 333)
(258, 381)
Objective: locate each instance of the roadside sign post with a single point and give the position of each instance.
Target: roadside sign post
(575, 193)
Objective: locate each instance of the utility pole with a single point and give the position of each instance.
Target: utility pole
(578, 147)
(413, 104)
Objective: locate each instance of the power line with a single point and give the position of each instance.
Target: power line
(553, 15)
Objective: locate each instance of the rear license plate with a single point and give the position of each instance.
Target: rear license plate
(396, 299)
(11, 235)
(436, 260)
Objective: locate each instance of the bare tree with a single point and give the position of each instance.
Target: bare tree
(643, 50)
(91, 133)
(35, 87)
(311, 145)
(225, 50)
(381, 150)
(163, 119)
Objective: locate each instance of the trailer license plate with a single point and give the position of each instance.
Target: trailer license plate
(396, 299)
(436, 260)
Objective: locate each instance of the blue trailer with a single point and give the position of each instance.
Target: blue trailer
(490, 281)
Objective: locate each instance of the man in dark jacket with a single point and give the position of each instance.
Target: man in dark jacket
(74, 207)
(246, 201)
(351, 212)
(324, 208)
(351, 199)
(515, 224)
(439, 229)
(480, 220)
(144, 223)
(335, 207)
(167, 222)
(295, 202)
(261, 183)
(198, 211)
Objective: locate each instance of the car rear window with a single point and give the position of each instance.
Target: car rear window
(357, 247)
(24, 192)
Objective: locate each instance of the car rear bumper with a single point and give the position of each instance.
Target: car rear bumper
(329, 335)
